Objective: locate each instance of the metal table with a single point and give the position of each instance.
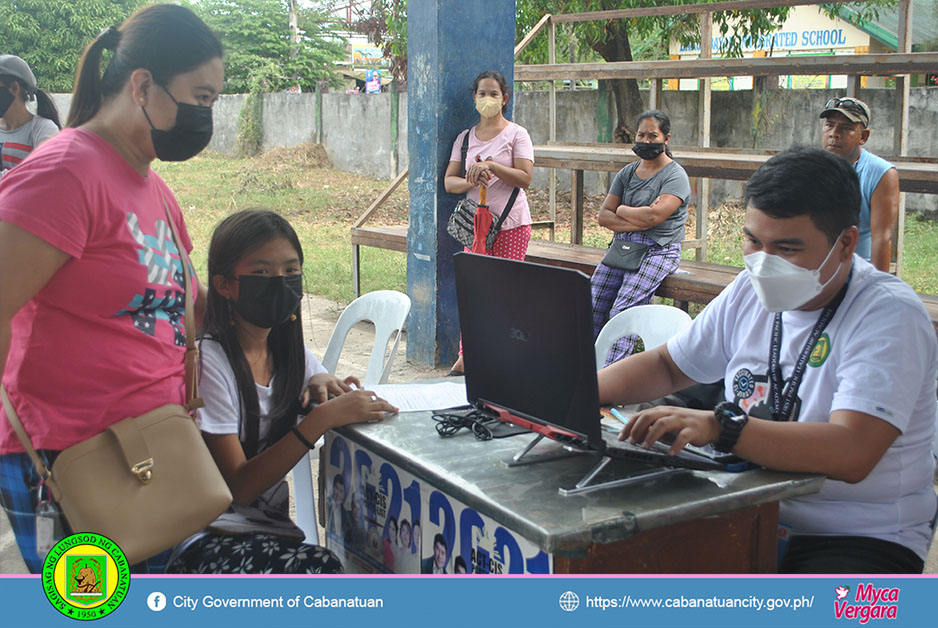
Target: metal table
(688, 522)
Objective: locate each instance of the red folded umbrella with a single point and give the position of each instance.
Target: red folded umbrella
(482, 222)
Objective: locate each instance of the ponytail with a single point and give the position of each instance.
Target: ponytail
(45, 107)
(87, 96)
(166, 39)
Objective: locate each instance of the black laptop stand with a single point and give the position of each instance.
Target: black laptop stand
(585, 485)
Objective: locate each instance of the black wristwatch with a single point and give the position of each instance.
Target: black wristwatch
(732, 420)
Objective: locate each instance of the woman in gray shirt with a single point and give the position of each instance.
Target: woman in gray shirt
(20, 130)
(645, 209)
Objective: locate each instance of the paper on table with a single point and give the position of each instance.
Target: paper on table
(419, 397)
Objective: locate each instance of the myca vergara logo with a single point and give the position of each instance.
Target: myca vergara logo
(86, 576)
(867, 603)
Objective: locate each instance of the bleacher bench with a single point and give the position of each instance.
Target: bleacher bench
(694, 282)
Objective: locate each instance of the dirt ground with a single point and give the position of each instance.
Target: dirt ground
(319, 317)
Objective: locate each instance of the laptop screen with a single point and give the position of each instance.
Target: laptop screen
(527, 335)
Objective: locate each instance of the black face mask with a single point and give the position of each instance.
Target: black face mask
(648, 150)
(190, 134)
(268, 301)
(6, 99)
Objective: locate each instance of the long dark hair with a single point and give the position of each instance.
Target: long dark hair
(166, 39)
(499, 78)
(661, 119)
(45, 107)
(238, 235)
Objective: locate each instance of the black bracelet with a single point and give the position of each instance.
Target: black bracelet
(302, 439)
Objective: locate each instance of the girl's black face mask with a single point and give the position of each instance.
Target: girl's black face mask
(6, 99)
(267, 301)
(190, 134)
(648, 150)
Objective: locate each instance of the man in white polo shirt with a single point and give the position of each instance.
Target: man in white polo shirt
(828, 366)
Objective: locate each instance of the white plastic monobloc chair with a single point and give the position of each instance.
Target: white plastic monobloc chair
(388, 310)
(654, 324)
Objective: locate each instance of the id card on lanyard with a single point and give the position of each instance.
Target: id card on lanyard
(783, 397)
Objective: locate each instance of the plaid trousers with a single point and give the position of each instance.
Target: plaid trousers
(19, 496)
(615, 290)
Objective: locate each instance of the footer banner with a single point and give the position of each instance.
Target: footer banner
(100, 597)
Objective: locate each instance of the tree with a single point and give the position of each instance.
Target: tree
(385, 25)
(50, 35)
(257, 35)
(611, 40)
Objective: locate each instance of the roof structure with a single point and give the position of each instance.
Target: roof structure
(886, 26)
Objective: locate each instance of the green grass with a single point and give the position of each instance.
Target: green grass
(322, 204)
(919, 254)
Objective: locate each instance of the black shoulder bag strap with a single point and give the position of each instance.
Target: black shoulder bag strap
(462, 171)
(465, 153)
(625, 189)
(508, 206)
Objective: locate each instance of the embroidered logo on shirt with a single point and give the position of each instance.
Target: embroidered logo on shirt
(752, 393)
(821, 350)
(743, 384)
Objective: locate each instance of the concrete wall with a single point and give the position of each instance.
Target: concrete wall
(357, 127)
(356, 132)
(784, 118)
(576, 122)
(225, 123)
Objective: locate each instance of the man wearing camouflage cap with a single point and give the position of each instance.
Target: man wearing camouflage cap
(845, 131)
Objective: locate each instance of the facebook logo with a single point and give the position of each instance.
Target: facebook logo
(156, 601)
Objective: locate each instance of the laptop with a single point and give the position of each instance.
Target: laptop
(527, 332)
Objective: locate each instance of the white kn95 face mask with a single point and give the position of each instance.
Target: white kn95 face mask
(782, 286)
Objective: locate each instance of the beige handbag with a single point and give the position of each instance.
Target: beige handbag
(146, 482)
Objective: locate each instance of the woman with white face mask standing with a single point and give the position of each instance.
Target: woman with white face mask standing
(499, 158)
(92, 289)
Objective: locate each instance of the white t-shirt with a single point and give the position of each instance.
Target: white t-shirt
(878, 356)
(218, 388)
(16, 145)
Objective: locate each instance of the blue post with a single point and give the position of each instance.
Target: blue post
(449, 42)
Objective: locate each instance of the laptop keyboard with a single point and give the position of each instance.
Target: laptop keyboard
(624, 450)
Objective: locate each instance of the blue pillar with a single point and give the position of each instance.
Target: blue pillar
(449, 42)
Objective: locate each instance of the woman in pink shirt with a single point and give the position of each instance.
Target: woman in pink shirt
(500, 157)
(92, 295)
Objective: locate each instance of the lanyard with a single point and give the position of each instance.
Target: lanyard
(783, 401)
